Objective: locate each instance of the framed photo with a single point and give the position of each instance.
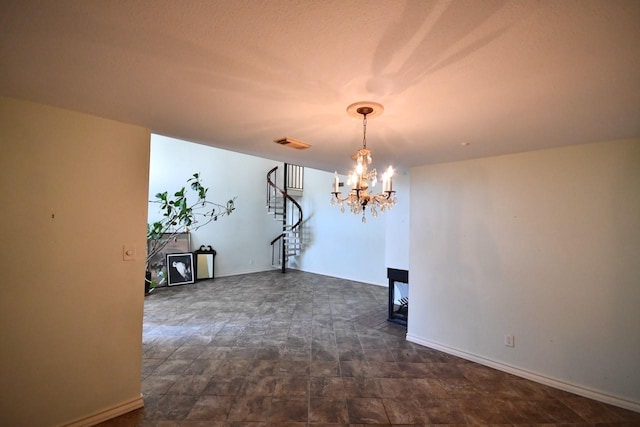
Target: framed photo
(179, 243)
(180, 268)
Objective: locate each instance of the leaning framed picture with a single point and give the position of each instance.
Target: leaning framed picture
(173, 243)
(180, 269)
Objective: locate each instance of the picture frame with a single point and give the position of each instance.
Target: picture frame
(178, 243)
(180, 269)
(204, 262)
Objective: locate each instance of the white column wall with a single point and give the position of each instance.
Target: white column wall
(398, 231)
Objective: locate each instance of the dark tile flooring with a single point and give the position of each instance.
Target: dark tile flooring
(298, 349)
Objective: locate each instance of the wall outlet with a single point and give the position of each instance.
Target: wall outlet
(509, 341)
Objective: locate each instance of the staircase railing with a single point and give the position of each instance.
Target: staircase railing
(288, 242)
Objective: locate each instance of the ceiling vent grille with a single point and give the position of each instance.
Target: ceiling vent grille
(292, 143)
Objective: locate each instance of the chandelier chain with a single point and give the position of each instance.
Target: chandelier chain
(364, 132)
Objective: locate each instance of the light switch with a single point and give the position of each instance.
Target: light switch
(128, 252)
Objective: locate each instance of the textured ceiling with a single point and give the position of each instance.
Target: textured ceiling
(502, 76)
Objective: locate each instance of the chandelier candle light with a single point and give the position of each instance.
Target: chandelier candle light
(360, 178)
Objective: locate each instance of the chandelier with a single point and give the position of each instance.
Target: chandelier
(360, 178)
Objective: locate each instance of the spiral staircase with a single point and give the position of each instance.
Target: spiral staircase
(281, 203)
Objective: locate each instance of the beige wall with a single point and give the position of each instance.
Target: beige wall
(542, 245)
(73, 190)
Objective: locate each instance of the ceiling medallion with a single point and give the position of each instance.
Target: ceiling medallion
(360, 178)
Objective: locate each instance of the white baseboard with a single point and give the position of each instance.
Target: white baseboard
(533, 376)
(247, 271)
(108, 414)
(334, 276)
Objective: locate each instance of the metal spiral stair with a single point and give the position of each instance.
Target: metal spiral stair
(286, 209)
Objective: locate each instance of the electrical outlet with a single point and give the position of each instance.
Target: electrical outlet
(509, 341)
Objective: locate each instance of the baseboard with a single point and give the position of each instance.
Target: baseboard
(108, 414)
(241, 272)
(533, 376)
(334, 276)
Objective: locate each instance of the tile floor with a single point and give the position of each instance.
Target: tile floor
(299, 349)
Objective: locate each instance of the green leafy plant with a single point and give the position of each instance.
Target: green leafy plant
(179, 215)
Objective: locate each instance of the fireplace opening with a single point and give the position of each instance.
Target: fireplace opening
(398, 296)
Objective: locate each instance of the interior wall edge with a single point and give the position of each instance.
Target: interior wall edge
(529, 375)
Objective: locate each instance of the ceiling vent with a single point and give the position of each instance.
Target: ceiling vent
(292, 143)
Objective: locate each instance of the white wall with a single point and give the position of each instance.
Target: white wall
(397, 224)
(241, 239)
(542, 245)
(73, 190)
(339, 244)
(335, 244)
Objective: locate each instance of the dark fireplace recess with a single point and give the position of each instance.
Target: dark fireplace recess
(398, 296)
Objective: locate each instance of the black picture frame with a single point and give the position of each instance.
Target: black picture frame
(204, 262)
(180, 269)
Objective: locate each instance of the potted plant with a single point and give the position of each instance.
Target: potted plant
(180, 215)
